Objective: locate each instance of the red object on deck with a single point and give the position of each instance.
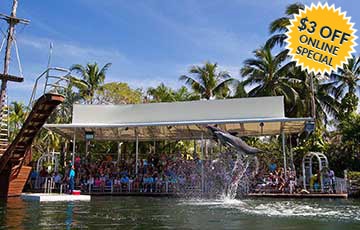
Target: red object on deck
(76, 192)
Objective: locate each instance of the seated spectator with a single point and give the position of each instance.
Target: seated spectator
(97, 182)
(117, 184)
(124, 182)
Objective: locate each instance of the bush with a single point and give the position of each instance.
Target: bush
(352, 175)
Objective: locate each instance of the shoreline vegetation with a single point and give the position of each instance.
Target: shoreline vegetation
(267, 73)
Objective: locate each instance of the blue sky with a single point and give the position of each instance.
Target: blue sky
(148, 41)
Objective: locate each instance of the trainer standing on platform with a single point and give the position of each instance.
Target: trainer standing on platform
(71, 179)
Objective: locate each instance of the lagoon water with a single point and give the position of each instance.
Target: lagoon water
(172, 213)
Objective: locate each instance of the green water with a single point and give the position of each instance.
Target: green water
(171, 213)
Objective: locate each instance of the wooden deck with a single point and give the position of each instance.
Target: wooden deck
(299, 195)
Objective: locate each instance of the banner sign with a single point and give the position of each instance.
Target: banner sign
(321, 38)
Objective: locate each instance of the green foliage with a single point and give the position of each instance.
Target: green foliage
(17, 117)
(118, 93)
(272, 150)
(352, 175)
(163, 93)
(208, 82)
(92, 76)
(269, 75)
(278, 27)
(348, 105)
(350, 129)
(344, 153)
(313, 143)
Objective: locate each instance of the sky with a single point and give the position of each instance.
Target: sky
(147, 41)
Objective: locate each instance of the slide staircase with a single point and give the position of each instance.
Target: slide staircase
(14, 160)
(19, 150)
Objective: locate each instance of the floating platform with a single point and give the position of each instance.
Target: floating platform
(53, 197)
(299, 195)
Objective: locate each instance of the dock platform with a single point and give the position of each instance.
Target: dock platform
(53, 197)
(299, 195)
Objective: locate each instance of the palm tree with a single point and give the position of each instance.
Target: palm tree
(270, 76)
(161, 93)
(278, 27)
(240, 90)
(182, 94)
(17, 117)
(325, 104)
(347, 82)
(208, 82)
(93, 76)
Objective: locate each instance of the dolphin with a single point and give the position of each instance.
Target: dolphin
(233, 141)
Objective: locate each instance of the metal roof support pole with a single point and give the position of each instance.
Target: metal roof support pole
(202, 163)
(321, 173)
(87, 150)
(154, 146)
(137, 155)
(284, 151)
(194, 153)
(291, 156)
(310, 165)
(304, 172)
(74, 147)
(119, 152)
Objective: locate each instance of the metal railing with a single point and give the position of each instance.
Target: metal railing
(55, 79)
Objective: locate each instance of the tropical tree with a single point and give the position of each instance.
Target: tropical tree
(326, 104)
(240, 90)
(93, 76)
(17, 117)
(270, 76)
(347, 82)
(182, 94)
(64, 111)
(118, 93)
(208, 82)
(161, 93)
(278, 27)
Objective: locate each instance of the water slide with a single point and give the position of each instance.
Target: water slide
(14, 171)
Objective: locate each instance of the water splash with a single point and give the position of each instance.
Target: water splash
(240, 167)
(317, 209)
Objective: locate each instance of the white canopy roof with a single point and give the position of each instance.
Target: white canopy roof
(255, 116)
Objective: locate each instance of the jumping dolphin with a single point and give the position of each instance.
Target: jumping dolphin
(233, 141)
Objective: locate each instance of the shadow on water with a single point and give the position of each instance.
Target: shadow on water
(13, 212)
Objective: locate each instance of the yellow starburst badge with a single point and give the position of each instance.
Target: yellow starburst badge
(321, 38)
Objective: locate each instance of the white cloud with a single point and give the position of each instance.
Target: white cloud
(151, 82)
(69, 50)
(211, 38)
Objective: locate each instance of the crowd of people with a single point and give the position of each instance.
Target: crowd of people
(154, 174)
(277, 180)
(166, 173)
